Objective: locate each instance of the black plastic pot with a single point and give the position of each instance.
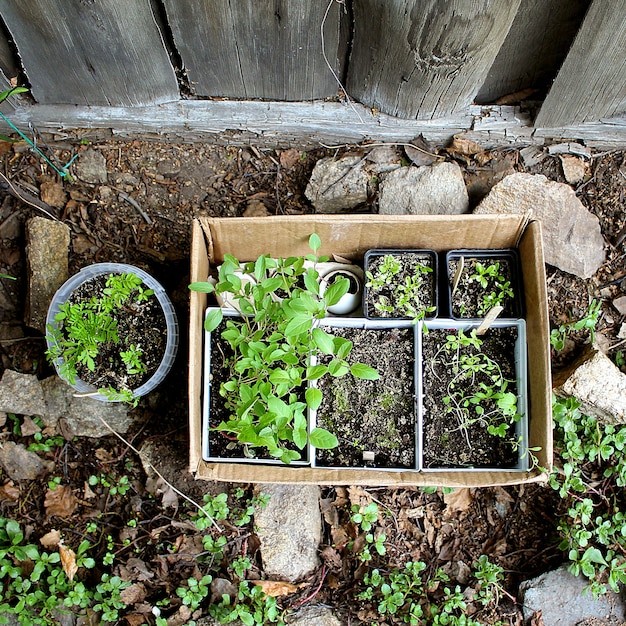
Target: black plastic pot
(372, 294)
(510, 267)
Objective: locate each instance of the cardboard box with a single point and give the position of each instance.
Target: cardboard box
(350, 236)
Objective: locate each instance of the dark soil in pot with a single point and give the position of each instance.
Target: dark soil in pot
(385, 300)
(445, 443)
(140, 324)
(372, 415)
(472, 300)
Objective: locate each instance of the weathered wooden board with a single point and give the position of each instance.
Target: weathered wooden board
(424, 58)
(534, 49)
(308, 124)
(592, 81)
(97, 52)
(270, 49)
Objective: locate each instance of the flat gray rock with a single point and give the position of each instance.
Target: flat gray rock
(84, 417)
(21, 394)
(47, 246)
(290, 530)
(52, 399)
(597, 383)
(437, 189)
(314, 615)
(571, 235)
(560, 598)
(19, 463)
(91, 167)
(338, 184)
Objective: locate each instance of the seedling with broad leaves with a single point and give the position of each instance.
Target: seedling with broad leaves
(275, 344)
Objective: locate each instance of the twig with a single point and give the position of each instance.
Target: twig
(317, 589)
(156, 471)
(134, 202)
(26, 197)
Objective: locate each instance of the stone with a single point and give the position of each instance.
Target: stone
(560, 598)
(289, 529)
(47, 248)
(595, 381)
(574, 169)
(21, 394)
(83, 416)
(19, 463)
(314, 615)
(620, 304)
(52, 193)
(427, 190)
(339, 184)
(91, 167)
(571, 234)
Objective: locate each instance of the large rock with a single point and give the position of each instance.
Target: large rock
(47, 246)
(290, 530)
(91, 167)
(572, 238)
(597, 383)
(84, 417)
(338, 184)
(21, 394)
(427, 190)
(19, 463)
(560, 598)
(53, 399)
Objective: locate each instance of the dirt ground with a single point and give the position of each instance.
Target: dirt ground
(142, 215)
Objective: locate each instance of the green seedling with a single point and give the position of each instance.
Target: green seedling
(497, 288)
(589, 322)
(406, 296)
(275, 347)
(489, 401)
(81, 330)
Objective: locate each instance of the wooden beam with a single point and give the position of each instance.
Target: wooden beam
(103, 53)
(424, 59)
(306, 125)
(534, 48)
(592, 82)
(270, 50)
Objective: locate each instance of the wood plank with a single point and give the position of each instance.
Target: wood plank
(97, 52)
(424, 58)
(270, 49)
(305, 125)
(534, 49)
(592, 82)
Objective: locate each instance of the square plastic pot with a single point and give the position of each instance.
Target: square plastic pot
(370, 294)
(514, 308)
(361, 323)
(521, 373)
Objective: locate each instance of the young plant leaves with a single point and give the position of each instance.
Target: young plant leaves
(213, 319)
(360, 370)
(322, 439)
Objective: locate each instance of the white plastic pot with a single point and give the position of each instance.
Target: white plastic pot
(100, 269)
